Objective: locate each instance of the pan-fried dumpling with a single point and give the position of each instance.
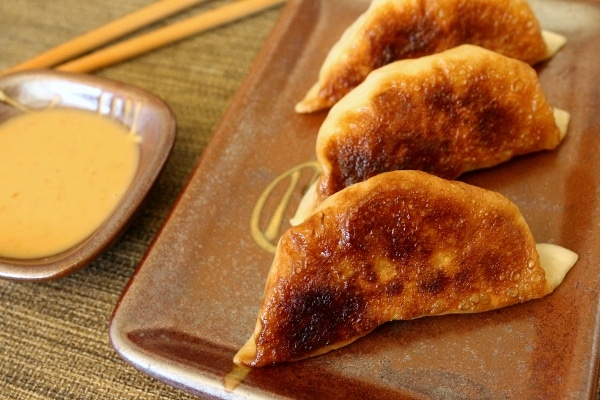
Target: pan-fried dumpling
(448, 113)
(392, 30)
(401, 245)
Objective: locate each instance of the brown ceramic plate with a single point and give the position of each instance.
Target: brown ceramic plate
(155, 124)
(194, 299)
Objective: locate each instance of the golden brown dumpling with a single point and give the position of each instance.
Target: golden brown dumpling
(392, 30)
(456, 111)
(402, 245)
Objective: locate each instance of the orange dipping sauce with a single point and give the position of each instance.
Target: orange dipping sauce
(62, 173)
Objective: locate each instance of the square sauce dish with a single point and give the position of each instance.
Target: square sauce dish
(117, 115)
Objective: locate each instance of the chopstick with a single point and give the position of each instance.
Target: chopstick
(138, 45)
(161, 37)
(105, 34)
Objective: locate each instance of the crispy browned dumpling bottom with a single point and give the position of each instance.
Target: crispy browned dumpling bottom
(459, 110)
(401, 245)
(392, 30)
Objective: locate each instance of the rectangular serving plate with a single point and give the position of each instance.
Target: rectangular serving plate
(194, 299)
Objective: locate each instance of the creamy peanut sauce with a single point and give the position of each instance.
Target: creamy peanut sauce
(62, 173)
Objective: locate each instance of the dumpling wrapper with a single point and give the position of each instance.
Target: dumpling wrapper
(392, 30)
(463, 109)
(402, 245)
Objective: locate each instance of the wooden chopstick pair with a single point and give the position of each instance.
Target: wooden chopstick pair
(141, 44)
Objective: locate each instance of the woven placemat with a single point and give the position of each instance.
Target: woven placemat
(54, 335)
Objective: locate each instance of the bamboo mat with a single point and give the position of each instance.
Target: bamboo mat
(54, 335)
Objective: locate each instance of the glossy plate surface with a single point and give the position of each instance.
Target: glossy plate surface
(194, 299)
(155, 123)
